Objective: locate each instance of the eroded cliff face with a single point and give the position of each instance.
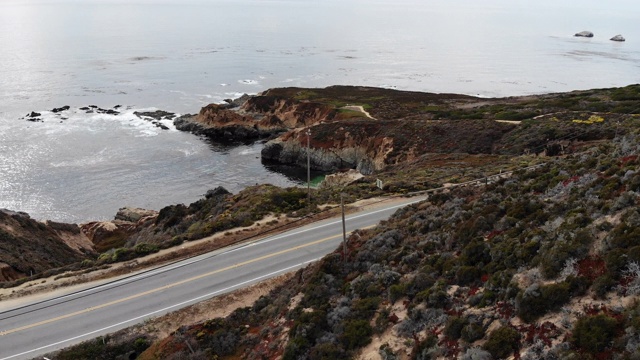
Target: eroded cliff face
(347, 147)
(29, 247)
(292, 113)
(107, 235)
(370, 146)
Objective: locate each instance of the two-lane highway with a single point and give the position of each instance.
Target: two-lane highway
(40, 327)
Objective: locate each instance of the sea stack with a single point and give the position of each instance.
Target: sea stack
(588, 34)
(617, 38)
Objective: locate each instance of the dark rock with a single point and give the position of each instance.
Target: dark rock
(232, 133)
(20, 214)
(57, 110)
(34, 114)
(93, 106)
(588, 34)
(84, 108)
(216, 192)
(34, 119)
(618, 38)
(108, 112)
(160, 125)
(117, 106)
(158, 114)
(234, 103)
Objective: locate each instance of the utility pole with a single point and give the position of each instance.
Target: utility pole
(309, 167)
(344, 229)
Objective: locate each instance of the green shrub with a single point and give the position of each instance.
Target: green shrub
(122, 254)
(467, 275)
(594, 333)
(144, 249)
(502, 342)
(357, 333)
(602, 285)
(453, 327)
(538, 300)
(327, 351)
(472, 332)
(397, 291)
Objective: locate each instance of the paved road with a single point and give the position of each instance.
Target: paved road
(47, 325)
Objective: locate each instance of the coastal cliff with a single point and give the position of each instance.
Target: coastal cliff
(370, 146)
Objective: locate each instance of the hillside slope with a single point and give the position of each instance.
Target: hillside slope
(29, 247)
(541, 265)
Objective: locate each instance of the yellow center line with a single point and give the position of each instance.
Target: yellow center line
(165, 287)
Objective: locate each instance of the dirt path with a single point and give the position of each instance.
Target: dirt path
(360, 109)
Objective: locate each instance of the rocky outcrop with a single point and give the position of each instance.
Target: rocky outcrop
(60, 109)
(341, 179)
(134, 214)
(8, 273)
(155, 117)
(106, 235)
(588, 34)
(253, 117)
(618, 38)
(30, 247)
(221, 124)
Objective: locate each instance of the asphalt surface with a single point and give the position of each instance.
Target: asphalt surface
(34, 329)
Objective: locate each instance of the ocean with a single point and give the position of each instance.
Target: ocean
(181, 55)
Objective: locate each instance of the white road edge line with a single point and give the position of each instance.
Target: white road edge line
(165, 309)
(205, 257)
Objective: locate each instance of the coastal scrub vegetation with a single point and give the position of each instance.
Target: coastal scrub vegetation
(542, 264)
(540, 260)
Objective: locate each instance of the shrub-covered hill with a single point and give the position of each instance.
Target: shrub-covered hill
(544, 264)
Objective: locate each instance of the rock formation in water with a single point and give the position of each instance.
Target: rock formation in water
(618, 38)
(588, 34)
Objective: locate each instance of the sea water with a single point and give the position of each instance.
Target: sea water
(178, 55)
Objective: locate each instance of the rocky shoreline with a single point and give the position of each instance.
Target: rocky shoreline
(400, 136)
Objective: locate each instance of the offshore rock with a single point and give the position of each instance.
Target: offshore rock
(157, 115)
(618, 38)
(60, 109)
(588, 34)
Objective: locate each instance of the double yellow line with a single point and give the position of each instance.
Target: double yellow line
(165, 287)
